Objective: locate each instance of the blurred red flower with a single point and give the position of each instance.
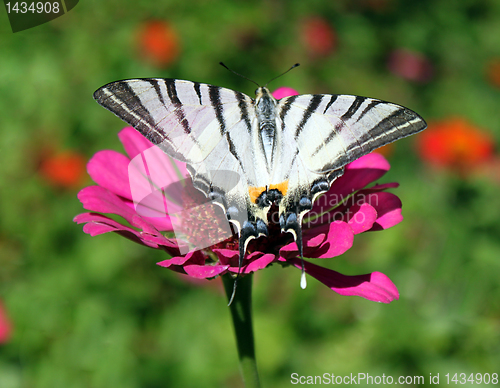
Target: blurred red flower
(455, 143)
(158, 43)
(493, 72)
(64, 169)
(410, 65)
(5, 325)
(318, 36)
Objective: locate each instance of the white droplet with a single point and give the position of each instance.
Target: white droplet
(303, 281)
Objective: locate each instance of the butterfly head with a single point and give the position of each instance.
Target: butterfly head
(264, 97)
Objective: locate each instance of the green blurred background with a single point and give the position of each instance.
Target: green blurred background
(97, 312)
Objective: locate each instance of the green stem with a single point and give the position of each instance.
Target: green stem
(241, 312)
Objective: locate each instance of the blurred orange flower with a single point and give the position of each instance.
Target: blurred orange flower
(64, 169)
(158, 42)
(318, 36)
(493, 72)
(386, 150)
(455, 143)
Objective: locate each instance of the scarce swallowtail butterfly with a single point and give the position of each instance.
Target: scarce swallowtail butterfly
(284, 152)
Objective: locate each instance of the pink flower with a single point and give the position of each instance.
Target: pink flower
(328, 230)
(410, 65)
(284, 92)
(5, 325)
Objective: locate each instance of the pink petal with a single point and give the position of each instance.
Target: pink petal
(381, 187)
(5, 325)
(151, 171)
(361, 218)
(284, 92)
(227, 255)
(253, 261)
(359, 215)
(338, 238)
(158, 186)
(376, 286)
(101, 200)
(372, 161)
(176, 260)
(109, 170)
(205, 271)
(388, 210)
(133, 142)
(357, 175)
(259, 263)
(98, 224)
(162, 224)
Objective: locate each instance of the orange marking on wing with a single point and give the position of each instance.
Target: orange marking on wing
(281, 187)
(255, 192)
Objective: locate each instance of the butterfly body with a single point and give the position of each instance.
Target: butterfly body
(247, 154)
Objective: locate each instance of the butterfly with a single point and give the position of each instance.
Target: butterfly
(248, 154)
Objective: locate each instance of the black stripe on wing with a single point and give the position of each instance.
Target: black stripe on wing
(174, 98)
(311, 108)
(120, 98)
(353, 108)
(156, 86)
(399, 124)
(359, 125)
(214, 95)
(286, 108)
(197, 89)
(368, 108)
(242, 104)
(332, 100)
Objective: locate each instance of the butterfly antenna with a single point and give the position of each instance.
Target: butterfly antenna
(238, 74)
(293, 67)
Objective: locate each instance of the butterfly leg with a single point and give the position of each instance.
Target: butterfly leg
(291, 221)
(250, 229)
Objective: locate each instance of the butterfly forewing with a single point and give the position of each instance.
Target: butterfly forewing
(334, 130)
(185, 119)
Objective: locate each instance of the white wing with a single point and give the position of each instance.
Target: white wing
(204, 125)
(323, 133)
(334, 130)
(185, 119)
